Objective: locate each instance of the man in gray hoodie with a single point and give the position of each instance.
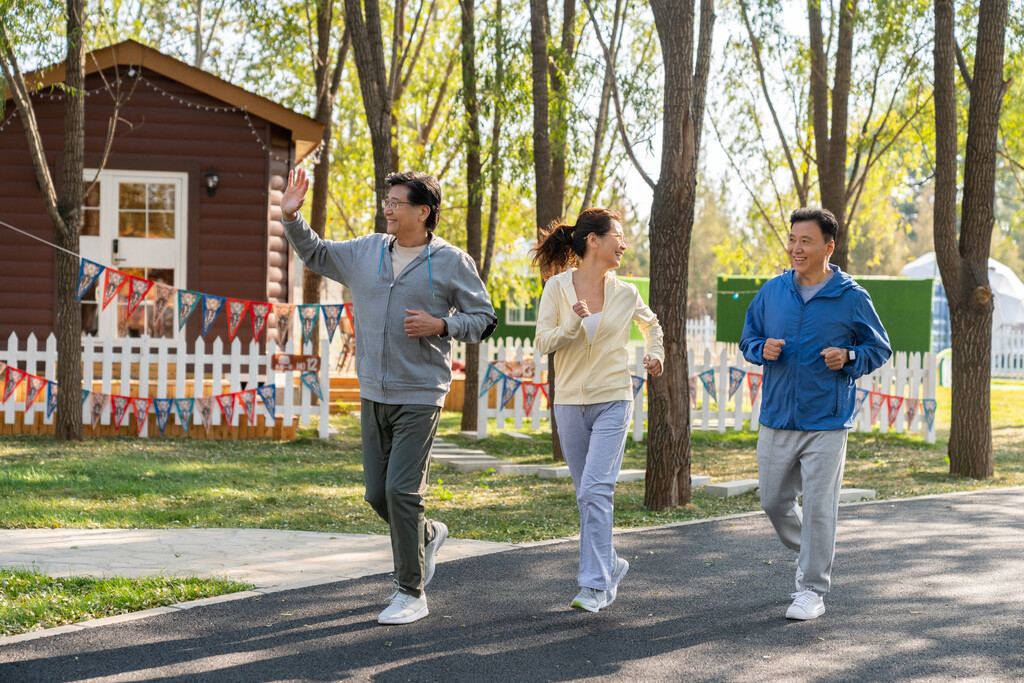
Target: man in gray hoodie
(412, 294)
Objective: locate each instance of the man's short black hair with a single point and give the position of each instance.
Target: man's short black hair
(825, 219)
(424, 190)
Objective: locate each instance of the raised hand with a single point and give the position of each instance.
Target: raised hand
(295, 194)
(772, 348)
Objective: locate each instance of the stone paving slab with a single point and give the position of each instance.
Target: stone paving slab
(480, 465)
(263, 557)
(517, 469)
(850, 495)
(725, 489)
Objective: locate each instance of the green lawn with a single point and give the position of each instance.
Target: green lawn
(315, 485)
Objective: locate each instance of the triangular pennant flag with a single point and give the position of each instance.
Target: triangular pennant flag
(268, 394)
(211, 307)
(120, 404)
(236, 312)
(875, 401)
(99, 402)
(910, 407)
(862, 395)
(163, 412)
(227, 406)
(138, 288)
(311, 380)
(754, 385)
(87, 274)
(332, 316)
(693, 391)
(928, 405)
(161, 307)
(638, 384)
(205, 406)
(492, 377)
(188, 301)
(184, 406)
(258, 312)
(735, 380)
(894, 407)
(707, 378)
(248, 400)
(141, 408)
(284, 313)
(508, 390)
(12, 378)
(309, 314)
(351, 318)
(35, 387)
(51, 398)
(530, 391)
(85, 395)
(112, 281)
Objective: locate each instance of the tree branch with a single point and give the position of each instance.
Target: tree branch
(962, 65)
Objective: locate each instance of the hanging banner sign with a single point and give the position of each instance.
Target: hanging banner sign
(708, 379)
(638, 384)
(120, 404)
(312, 380)
(492, 377)
(284, 313)
(113, 279)
(910, 407)
(875, 400)
(35, 387)
(862, 395)
(85, 395)
(87, 274)
(248, 400)
(351, 319)
(185, 406)
(258, 312)
(138, 288)
(161, 307)
(693, 391)
(290, 362)
(211, 307)
(12, 378)
(508, 390)
(735, 380)
(928, 405)
(205, 406)
(99, 402)
(530, 391)
(227, 406)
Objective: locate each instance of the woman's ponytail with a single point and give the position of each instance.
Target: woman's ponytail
(554, 252)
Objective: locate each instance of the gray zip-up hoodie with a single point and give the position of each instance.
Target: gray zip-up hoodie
(393, 367)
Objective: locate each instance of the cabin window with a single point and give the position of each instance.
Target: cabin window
(521, 315)
(134, 222)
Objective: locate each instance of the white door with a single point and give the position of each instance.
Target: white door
(134, 221)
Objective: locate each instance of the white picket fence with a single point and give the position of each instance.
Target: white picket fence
(912, 377)
(1008, 352)
(194, 369)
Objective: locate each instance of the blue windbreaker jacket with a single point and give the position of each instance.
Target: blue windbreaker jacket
(799, 392)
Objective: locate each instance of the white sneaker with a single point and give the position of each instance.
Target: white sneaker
(799, 577)
(590, 599)
(430, 550)
(404, 609)
(621, 567)
(806, 605)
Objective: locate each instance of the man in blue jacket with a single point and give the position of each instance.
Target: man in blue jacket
(815, 331)
(412, 294)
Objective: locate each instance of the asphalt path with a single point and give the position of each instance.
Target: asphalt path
(924, 589)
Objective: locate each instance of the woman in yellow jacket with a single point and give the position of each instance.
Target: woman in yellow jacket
(584, 319)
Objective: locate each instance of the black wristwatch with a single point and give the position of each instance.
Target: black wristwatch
(445, 333)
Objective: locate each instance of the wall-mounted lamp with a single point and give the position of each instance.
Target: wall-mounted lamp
(212, 179)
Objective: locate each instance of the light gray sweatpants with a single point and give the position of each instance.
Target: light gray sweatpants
(593, 439)
(791, 463)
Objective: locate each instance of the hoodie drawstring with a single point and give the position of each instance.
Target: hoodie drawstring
(430, 275)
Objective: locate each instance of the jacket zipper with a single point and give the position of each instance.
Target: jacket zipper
(799, 337)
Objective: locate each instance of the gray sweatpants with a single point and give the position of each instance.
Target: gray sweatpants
(791, 463)
(593, 439)
(396, 457)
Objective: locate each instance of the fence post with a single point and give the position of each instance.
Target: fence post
(481, 402)
(325, 388)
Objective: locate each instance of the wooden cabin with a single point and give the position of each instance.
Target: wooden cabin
(188, 196)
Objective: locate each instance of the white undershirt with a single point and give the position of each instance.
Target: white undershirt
(590, 324)
(403, 256)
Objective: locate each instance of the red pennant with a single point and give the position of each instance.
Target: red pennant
(227, 406)
(112, 282)
(35, 388)
(138, 288)
(894, 407)
(141, 408)
(875, 399)
(120, 404)
(351, 320)
(12, 378)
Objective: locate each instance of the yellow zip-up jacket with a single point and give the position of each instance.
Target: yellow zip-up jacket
(594, 371)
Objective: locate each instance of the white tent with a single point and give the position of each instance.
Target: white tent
(1007, 287)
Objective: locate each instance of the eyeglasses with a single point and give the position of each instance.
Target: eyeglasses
(388, 203)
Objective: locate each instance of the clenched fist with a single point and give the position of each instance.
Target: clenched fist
(772, 348)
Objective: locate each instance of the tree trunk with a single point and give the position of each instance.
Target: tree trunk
(963, 263)
(68, 424)
(558, 71)
(368, 50)
(539, 32)
(474, 194)
(830, 147)
(672, 213)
